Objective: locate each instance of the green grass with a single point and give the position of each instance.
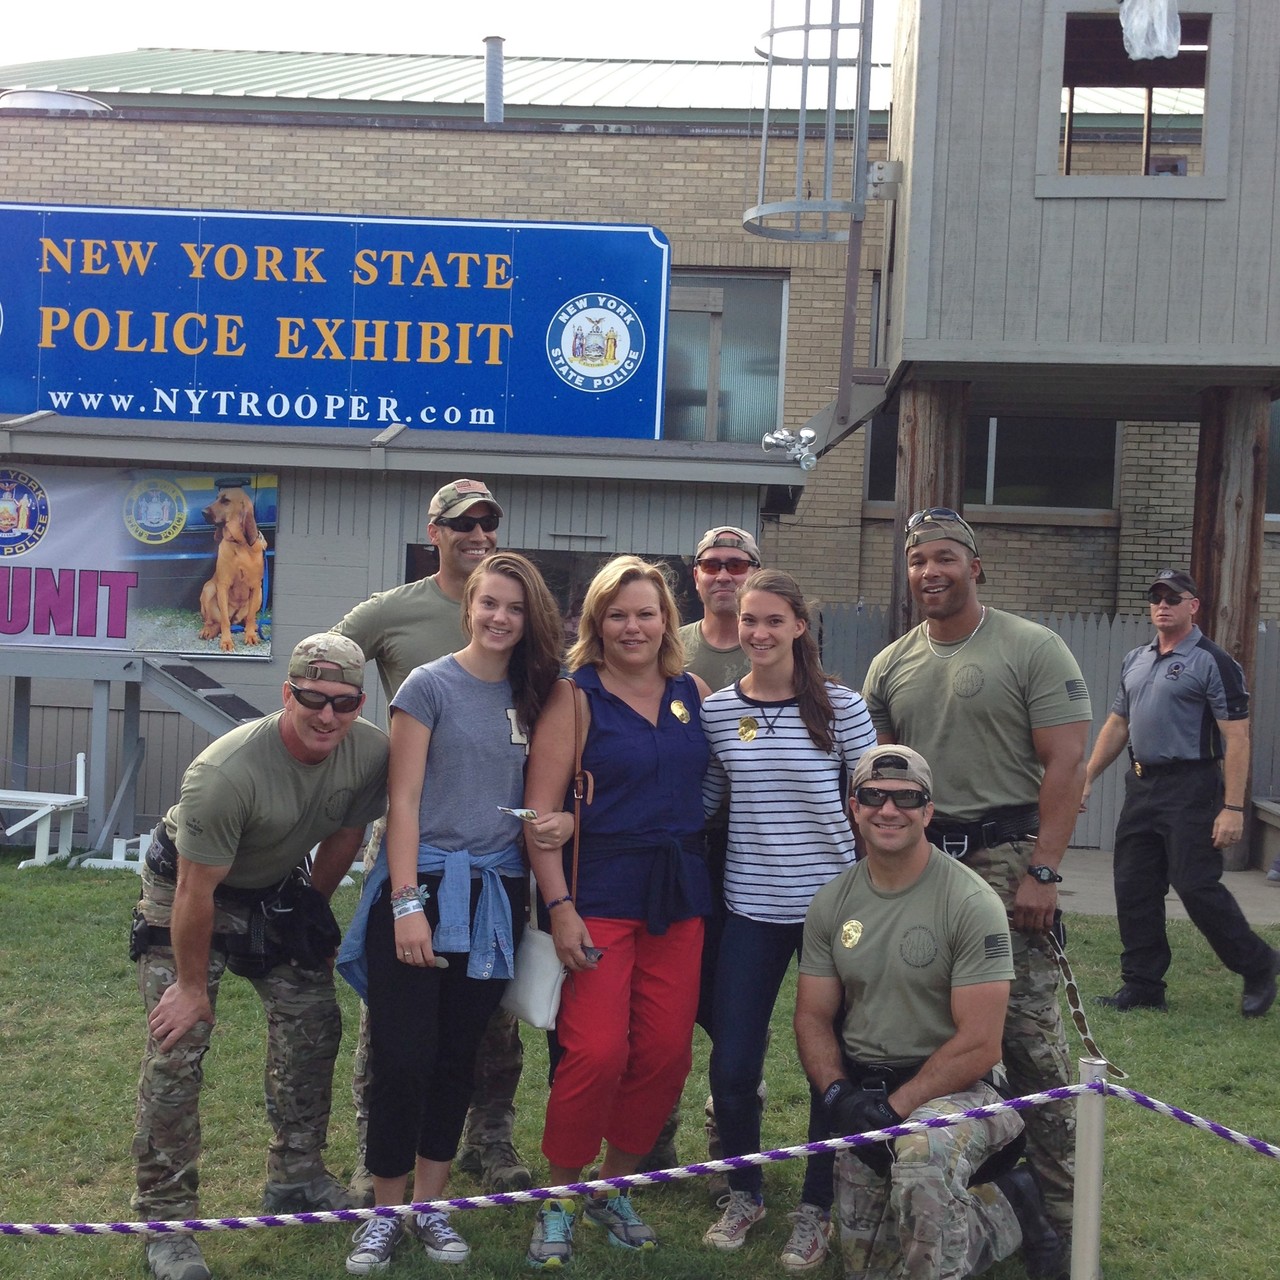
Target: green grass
(1177, 1202)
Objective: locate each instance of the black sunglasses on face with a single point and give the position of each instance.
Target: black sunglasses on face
(738, 568)
(1165, 597)
(875, 797)
(314, 700)
(465, 524)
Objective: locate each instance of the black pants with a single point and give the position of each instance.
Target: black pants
(1165, 838)
(425, 1026)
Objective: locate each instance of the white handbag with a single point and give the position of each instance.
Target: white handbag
(533, 993)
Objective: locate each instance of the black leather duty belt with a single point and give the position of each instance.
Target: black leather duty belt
(996, 827)
(1168, 766)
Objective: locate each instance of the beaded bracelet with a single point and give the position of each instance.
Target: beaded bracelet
(559, 901)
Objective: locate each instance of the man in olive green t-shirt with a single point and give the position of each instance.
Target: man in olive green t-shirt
(998, 706)
(223, 886)
(721, 561)
(908, 953)
(399, 630)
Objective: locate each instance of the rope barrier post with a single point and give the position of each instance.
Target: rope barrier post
(1091, 1124)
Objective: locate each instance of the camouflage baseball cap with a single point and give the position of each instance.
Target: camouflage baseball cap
(728, 535)
(328, 646)
(935, 523)
(893, 762)
(455, 497)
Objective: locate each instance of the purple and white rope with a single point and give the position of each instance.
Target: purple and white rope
(655, 1178)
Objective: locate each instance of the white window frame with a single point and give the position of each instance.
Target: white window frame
(1216, 126)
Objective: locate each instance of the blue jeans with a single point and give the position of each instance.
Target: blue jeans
(754, 958)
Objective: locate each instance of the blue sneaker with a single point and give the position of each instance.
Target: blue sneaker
(552, 1243)
(614, 1214)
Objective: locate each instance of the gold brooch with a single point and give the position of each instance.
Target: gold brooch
(679, 710)
(850, 933)
(747, 728)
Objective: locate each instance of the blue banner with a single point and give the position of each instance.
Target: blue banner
(209, 318)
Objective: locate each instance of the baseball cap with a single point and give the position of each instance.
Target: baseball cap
(895, 763)
(456, 496)
(1176, 580)
(934, 523)
(328, 646)
(728, 535)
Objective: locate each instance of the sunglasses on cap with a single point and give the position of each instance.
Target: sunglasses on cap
(314, 700)
(467, 524)
(738, 568)
(875, 797)
(933, 513)
(1159, 595)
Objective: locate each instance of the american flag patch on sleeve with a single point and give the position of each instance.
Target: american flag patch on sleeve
(1076, 690)
(997, 945)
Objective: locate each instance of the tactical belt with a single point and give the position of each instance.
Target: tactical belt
(995, 827)
(1167, 766)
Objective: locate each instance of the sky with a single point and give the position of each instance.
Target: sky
(725, 29)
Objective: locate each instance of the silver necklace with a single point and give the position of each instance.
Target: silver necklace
(946, 657)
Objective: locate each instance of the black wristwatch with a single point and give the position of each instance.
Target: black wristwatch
(1046, 875)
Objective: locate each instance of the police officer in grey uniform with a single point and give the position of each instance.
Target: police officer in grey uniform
(1183, 712)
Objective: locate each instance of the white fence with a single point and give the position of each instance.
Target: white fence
(852, 636)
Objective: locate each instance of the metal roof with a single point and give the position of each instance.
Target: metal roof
(231, 77)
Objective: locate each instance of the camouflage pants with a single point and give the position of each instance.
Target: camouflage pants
(1035, 1044)
(924, 1221)
(304, 1029)
(499, 1060)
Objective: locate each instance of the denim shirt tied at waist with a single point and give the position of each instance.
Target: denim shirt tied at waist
(488, 937)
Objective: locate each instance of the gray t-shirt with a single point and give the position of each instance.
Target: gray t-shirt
(475, 760)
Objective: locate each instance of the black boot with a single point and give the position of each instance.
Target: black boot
(1043, 1253)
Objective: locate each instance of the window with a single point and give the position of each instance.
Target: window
(1114, 126)
(1115, 108)
(724, 357)
(1065, 463)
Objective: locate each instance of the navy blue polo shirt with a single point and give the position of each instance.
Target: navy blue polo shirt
(1174, 700)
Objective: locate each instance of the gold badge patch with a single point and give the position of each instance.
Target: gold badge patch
(747, 728)
(679, 710)
(850, 933)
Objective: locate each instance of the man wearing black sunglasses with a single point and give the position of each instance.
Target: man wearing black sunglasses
(1183, 712)
(224, 886)
(721, 561)
(999, 707)
(904, 982)
(399, 630)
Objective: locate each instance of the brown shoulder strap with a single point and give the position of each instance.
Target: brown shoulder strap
(584, 785)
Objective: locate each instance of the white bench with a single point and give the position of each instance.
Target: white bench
(44, 805)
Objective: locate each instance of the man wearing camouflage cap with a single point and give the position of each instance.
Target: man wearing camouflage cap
(724, 556)
(399, 630)
(904, 979)
(225, 885)
(998, 706)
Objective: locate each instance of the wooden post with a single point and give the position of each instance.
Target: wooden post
(931, 430)
(1226, 539)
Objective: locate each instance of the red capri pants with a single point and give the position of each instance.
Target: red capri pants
(626, 1028)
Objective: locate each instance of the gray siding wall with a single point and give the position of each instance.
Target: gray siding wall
(984, 269)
